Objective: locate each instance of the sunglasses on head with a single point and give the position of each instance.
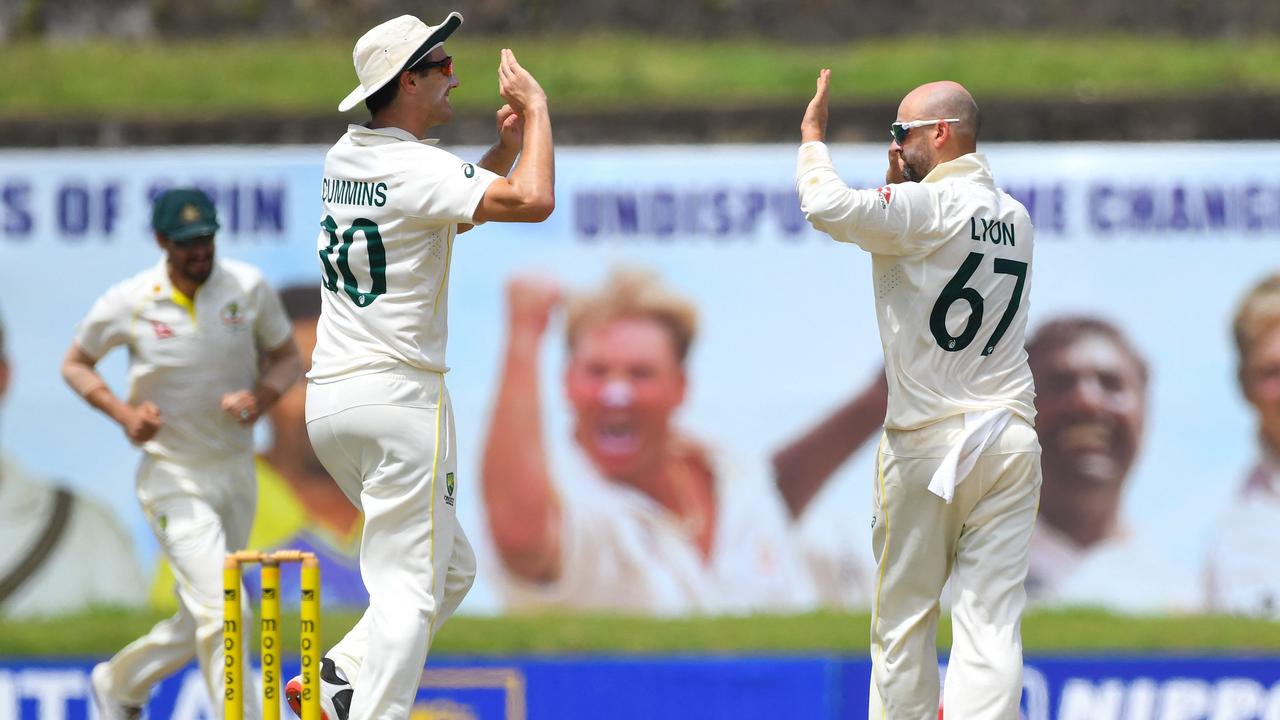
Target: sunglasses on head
(899, 130)
(445, 64)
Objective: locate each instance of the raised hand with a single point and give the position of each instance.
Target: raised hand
(814, 125)
(530, 301)
(517, 86)
(894, 173)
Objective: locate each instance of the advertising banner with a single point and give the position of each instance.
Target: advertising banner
(698, 688)
(1143, 254)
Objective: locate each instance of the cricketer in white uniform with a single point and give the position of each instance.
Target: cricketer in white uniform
(210, 349)
(623, 551)
(959, 463)
(1242, 574)
(636, 514)
(1243, 567)
(378, 413)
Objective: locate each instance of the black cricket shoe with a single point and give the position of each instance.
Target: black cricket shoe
(335, 692)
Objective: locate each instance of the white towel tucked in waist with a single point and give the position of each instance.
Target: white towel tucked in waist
(981, 429)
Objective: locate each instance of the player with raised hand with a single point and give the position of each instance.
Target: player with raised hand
(378, 413)
(959, 463)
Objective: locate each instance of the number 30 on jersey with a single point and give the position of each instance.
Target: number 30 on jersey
(377, 260)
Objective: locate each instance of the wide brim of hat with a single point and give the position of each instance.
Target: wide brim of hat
(441, 33)
(187, 233)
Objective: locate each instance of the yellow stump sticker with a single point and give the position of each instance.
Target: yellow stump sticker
(310, 612)
(270, 640)
(232, 641)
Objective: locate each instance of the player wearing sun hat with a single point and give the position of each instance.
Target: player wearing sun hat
(378, 413)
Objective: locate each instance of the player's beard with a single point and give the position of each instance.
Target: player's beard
(916, 163)
(198, 275)
(911, 171)
(197, 269)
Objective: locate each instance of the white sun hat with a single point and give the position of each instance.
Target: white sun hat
(393, 46)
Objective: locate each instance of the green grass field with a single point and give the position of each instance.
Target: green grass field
(1075, 631)
(621, 71)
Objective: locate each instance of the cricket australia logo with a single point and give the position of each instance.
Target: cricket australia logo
(449, 487)
(231, 314)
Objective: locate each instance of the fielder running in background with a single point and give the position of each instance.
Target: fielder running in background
(641, 517)
(209, 351)
(959, 463)
(308, 510)
(1243, 571)
(377, 410)
(60, 551)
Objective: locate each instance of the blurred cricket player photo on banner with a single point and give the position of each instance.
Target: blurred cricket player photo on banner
(638, 515)
(958, 469)
(1091, 396)
(377, 410)
(60, 550)
(1091, 407)
(1092, 387)
(1243, 570)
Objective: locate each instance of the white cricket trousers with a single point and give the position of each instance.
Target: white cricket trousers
(980, 541)
(388, 441)
(199, 512)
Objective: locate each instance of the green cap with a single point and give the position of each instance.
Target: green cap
(184, 214)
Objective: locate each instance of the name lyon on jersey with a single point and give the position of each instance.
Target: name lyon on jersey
(996, 232)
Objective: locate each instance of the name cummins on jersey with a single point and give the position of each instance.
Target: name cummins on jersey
(951, 266)
(392, 204)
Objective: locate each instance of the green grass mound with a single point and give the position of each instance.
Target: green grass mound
(253, 76)
(102, 632)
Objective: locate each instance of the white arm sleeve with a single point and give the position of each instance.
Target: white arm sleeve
(899, 219)
(446, 189)
(108, 324)
(272, 327)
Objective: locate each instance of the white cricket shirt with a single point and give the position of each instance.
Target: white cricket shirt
(392, 205)
(1243, 556)
(951, 265)
(184, 355)
(622, 551)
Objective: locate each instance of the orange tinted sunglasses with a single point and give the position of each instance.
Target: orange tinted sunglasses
(445, 65)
